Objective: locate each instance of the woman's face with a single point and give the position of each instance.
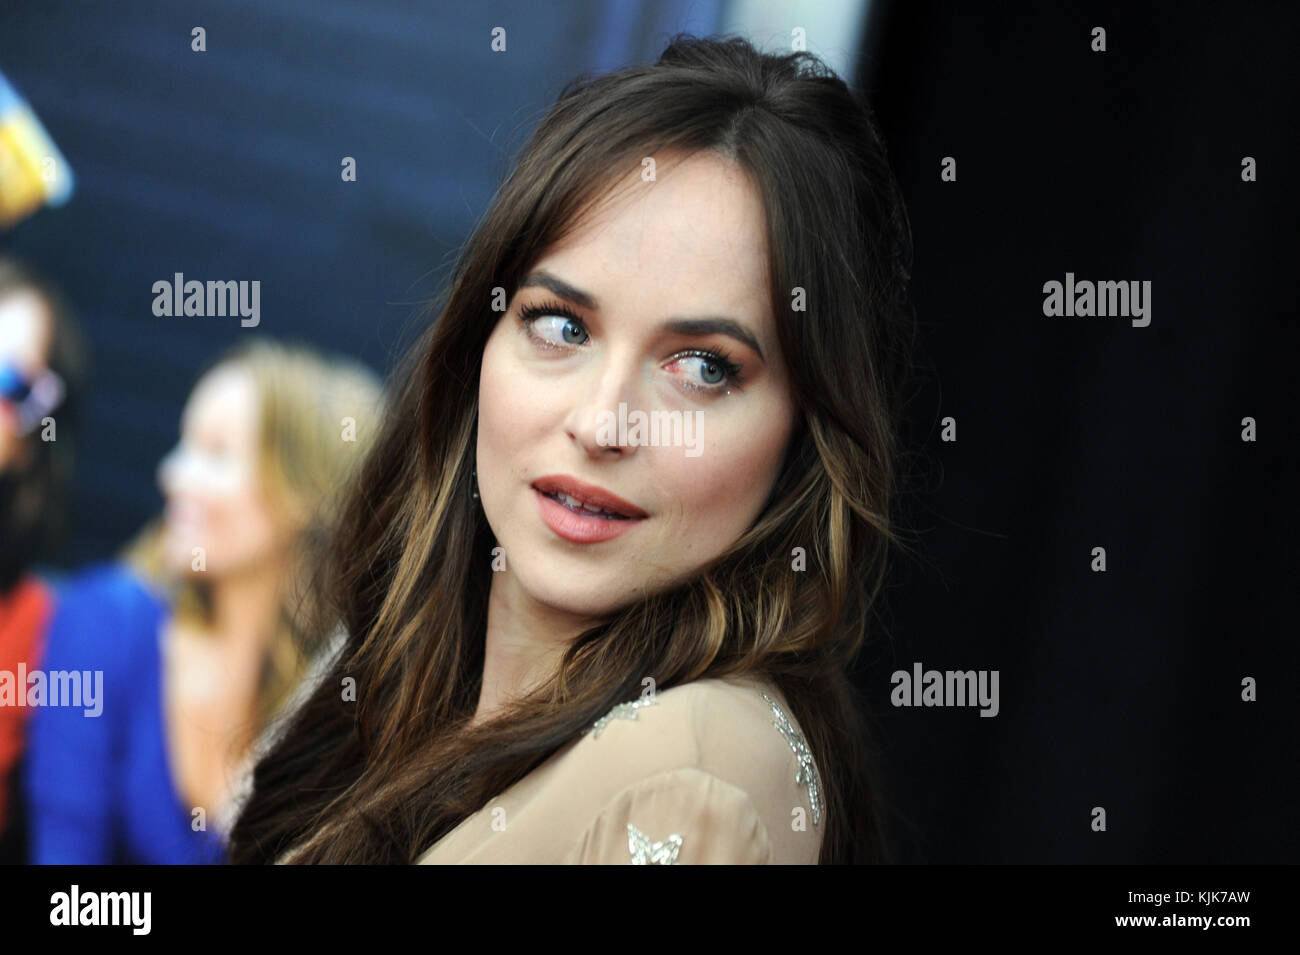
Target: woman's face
(665, 279)
(24, 343)
(212, 484)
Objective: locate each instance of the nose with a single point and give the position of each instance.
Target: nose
(598, 418)
(169, 471)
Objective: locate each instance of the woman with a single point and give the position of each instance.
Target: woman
(196, 643)
(568, 644)
(41, 365)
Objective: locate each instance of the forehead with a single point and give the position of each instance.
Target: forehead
(24, 329)
(224, 398)
(692, 240)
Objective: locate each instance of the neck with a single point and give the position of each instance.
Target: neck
(244, 610)
(245, 605)
(523, 646)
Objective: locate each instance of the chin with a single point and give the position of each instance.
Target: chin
(175, 560)
(587, 601)
(184, 569)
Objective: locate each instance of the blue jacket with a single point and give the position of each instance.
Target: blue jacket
(100, 788)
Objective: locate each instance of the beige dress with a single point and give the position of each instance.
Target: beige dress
(710, 772)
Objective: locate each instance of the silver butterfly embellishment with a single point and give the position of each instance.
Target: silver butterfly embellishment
(647, 852)
(806, 774)
(623, 711)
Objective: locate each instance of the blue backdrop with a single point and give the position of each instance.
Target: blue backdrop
(225, 164)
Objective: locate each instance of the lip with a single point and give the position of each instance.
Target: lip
(588, 493)
(574, 527)
(182, 517)
(582, 528)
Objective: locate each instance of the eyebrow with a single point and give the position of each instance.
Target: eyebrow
(701, 325)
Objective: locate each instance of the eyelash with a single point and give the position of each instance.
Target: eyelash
(732, 371)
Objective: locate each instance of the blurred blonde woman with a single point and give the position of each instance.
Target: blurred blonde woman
(197, 632)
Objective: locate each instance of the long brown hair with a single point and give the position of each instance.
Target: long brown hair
(383, 778)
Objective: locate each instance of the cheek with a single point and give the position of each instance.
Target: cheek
(508, 414)
(241, 517)
(721, 491)
(495, 397)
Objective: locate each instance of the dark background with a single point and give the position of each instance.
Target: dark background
(1118, 689)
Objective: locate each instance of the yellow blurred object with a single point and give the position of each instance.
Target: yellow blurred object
(33, 173)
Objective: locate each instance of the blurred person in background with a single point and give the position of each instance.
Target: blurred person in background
(196, 631)
(41, 365)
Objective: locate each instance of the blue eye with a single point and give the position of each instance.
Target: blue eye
(713, 371)
(570, 326)
(717, 371)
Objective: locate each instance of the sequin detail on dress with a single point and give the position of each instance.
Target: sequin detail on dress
(807, 772)
(645, 852)
(624, 711)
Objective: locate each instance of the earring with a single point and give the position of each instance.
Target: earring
(474, 478)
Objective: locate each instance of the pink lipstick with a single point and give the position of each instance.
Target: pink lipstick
(584, 513)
